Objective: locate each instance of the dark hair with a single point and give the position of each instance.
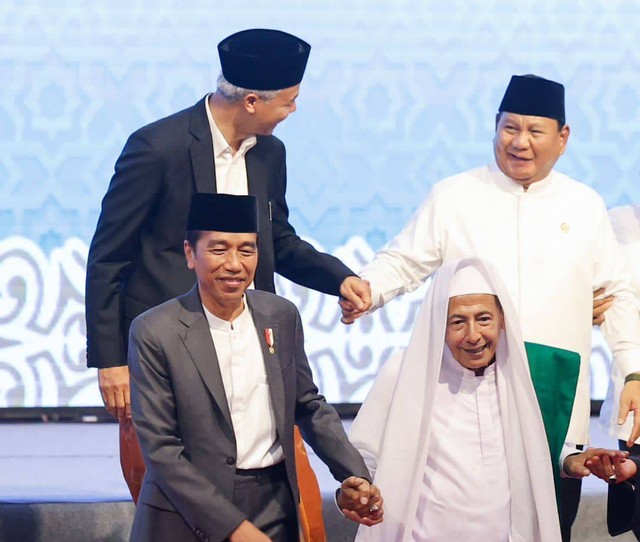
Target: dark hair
(191, 237)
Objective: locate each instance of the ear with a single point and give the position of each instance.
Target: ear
(189, 255)
(564, 136)
(249, 102)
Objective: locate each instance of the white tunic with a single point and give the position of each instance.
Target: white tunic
(244, 378)
(465, 487)
(552, 244)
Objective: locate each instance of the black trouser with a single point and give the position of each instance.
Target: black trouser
(635, 451)
(265, 497)
(569, 501)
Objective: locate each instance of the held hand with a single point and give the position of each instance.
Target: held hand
(248, 532)
(360, 501)
(612, 471)
(355, 298)
(114, 388)
(579, 465)
(600, 306)
(630, 402)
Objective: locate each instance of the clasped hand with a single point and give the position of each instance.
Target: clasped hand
(360, 501)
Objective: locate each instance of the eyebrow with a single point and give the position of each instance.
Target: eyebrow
(475, 315)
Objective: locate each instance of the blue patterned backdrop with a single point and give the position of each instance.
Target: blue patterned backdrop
(396, 95)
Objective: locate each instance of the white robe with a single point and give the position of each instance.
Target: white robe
(552, 244)
(395, 431)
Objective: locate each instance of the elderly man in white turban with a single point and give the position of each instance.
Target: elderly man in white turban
(453, 429)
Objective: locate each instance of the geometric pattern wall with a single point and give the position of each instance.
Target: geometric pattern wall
(396, 96)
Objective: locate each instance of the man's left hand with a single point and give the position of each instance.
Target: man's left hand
(630, 401)
(360, 501)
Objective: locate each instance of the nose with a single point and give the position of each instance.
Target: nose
(521, 140)
(293, 107)
(473, 333)
(232, 261)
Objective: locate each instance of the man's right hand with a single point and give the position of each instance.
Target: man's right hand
(600, 306)
(248, 532)
(355, 298)
(114, 388)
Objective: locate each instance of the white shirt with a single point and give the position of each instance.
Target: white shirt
(231, 170)
(552, 244)
(465, 487)
(245, 383)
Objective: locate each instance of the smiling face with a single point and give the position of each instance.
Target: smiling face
(474, 323)
(266, 115)
(225, 265)
(527, 147)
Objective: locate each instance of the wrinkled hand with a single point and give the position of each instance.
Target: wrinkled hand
(360, 501)
(600, 306)
(355, 298)
(630, 402)
(579, 465)
(248, 532)
(614, 470)
(114, 388)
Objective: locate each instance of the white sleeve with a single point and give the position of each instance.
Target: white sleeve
(621, 327)
(410, 257)
(367, 430)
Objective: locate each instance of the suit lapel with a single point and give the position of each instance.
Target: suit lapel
(198, 342)
(263, 320)
(201, 149)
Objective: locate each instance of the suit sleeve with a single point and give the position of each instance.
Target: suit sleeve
(623, 504)
(125, 207)
(200, 503)
(319, 423)
(296, 259)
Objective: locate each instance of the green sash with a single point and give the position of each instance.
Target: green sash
(555, 376)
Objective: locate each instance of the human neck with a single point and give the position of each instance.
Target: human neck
(480, 371)
(227, 312)
(227, 116)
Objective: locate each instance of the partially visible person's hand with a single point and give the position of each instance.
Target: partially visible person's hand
(578, 465)
(630, 402)
(114, 388)
(600, 306)
(360, 501)
(614, 471)
(248, 532)
(355, 298)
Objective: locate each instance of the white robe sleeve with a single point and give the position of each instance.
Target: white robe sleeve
(410, 257)
(621, 327)
(367, 430)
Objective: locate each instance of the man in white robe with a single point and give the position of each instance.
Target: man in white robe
(548, 235)
(452, 430)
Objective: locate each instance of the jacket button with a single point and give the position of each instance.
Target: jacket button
(231, 461)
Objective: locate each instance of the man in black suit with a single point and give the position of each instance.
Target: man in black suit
(219, 376)
(222, 144)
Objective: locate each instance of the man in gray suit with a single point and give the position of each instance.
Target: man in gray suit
(219, 377)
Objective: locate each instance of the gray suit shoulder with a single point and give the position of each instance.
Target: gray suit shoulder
(275, 302)
(159, 315)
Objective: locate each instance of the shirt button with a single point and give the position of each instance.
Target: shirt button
(231, 461)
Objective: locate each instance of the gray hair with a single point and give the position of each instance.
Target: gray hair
(232, 93)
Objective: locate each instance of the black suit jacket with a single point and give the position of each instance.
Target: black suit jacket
(182, 417)
(136, 259)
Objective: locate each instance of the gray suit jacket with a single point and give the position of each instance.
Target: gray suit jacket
(183, 422)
